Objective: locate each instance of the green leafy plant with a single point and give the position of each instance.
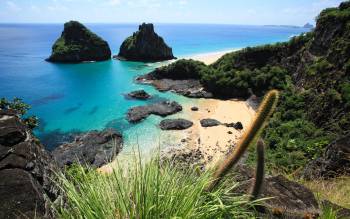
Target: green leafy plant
(147, 189)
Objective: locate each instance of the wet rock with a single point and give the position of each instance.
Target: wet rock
(209, 122)
(95, 148)
(175, 124)
(334, 162)
(164, 108)
(139, 94)
(26, 172)
(79, 44)
(145, 45)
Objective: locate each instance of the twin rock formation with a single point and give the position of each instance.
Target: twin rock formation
(78, 44)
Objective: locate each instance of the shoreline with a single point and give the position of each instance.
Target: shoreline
(212, 142)
(210, 57)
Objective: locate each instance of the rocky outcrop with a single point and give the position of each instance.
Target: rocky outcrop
(79, 44)
(308, 25)
(175, 124)
(145, 45)
(334, 162)
(139, 94)
(209, 122)
(181, 77)
(286, 199)
(164, 108)
(94, 148)
(26, 172)
(237, 125)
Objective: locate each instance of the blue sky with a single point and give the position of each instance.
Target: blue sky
(255, 12)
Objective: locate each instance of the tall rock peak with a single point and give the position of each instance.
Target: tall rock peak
(78, 44)
(145, 45)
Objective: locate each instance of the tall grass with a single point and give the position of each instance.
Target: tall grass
(147, 190)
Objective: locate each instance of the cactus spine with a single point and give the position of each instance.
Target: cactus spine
(265, 110)
(259, 172)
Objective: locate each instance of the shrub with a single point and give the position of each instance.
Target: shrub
(21, 108)
(147, 190)
(182, 69)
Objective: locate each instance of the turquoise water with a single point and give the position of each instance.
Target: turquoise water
(80, 97)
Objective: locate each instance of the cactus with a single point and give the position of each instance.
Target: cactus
(265, 110)
(259, 172)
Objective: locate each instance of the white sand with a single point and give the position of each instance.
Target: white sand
(213, 142)
(209, 58)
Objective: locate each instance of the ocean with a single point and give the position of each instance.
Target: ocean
(73, 98)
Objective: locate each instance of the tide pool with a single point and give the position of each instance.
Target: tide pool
(81, 97)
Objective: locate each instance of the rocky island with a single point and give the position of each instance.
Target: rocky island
(78, 44)
(145, 45)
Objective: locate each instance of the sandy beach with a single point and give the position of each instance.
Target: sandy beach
(212, 142)
(211, 57)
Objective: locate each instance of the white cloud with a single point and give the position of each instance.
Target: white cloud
(13, 6)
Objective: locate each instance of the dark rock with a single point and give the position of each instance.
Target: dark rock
(26, 172)
(183, 158)
(79, 44)
(238, 126)
(209, 122)
(308, 25)
(12, 131)
(229, 132)
(341, 212)
(182, 77)
(175, 124)
(145, 45)
(334, 162)
(194, 108)
(286, 199)
(94, 148)
(139, 94)
(164, 108)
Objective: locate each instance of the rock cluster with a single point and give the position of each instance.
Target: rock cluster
(94, 148)
(79, 44)
(214, 122)
(164, 108)
(175, 124)
(145, 45)
(26, 171)
(139, 94)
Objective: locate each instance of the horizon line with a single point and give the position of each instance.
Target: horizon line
(159, 23)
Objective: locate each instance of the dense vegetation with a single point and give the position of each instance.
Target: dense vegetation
(77, 44)
(313, 73)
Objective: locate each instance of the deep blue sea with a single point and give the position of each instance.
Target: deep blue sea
(80, 97)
